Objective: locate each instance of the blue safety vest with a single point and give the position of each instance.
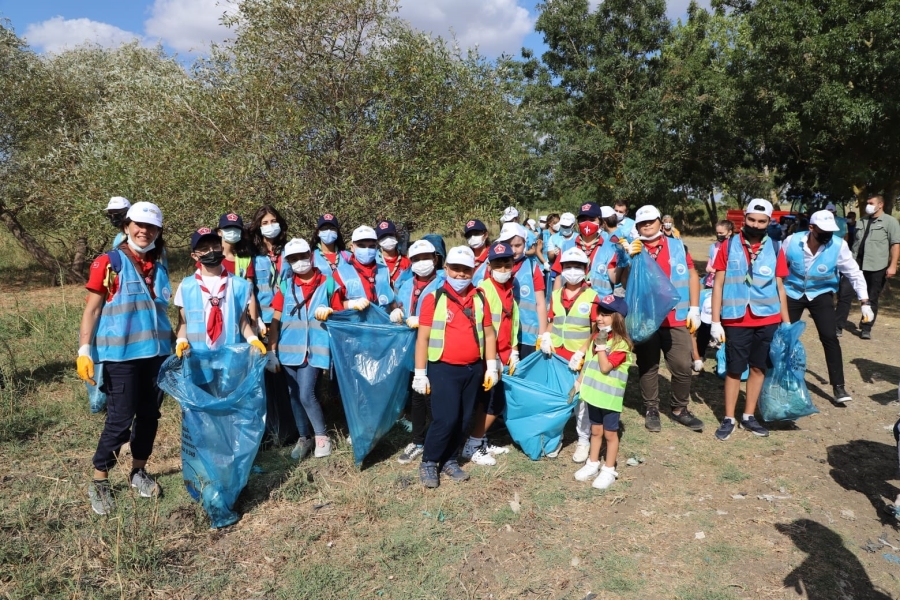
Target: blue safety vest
(530, 239)
(680, 275)
(523, 291)
(823, 273)
(354, 288)
(405, 293)
(627, 226)
(762, 294)
(597, 276)
(237, 297)
(133, 324)
(120, 237)
(267, 280)
(322, 264)
(303, 338)
(480, 274)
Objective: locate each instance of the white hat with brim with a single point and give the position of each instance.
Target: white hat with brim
(511, 230)
(509, 214)
(606, 212)
(574, 255)
(145, 212)
(363, 232)
(824, 220)
(421, 247)
(567, 220)
(462, 256)
(118, 203)
(296, 246)
(646, 213)
(759, 206)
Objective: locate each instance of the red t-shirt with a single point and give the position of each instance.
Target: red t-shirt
(557, 262)
(460, 347)
(781, 270)
(396, 265)
(504, 328)
(98, 274)
(230, 266)
(307, 287)
(616, 358)
(567, 306)
(481, 257)
(537, 283)
(662, 259)
(419, 284)
(366, 276)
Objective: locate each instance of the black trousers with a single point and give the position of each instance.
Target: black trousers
(454, 389)
(419, 416)
(704, 334)
(875, 283)
(821, 309)
(133, 399)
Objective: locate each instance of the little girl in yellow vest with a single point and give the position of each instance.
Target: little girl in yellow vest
(602, 388)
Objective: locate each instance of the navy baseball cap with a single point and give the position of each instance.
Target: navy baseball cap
(612, 303)
(204, 233)
(385, 228)
(327, 219)
(500, 250)
(231, 220)
(591, 210)
(473, 226)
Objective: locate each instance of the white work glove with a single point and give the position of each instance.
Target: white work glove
(717, 332)
(868, 315)
(693, 319)
(261, 326)
(577, 361)
(598, 348)
(412, 322)
(358, 304)
(420, 383)
(546, 267)
(182, 346)
(397, 315)
(323, 312)
(513, 361)
(544, 343)
(273, 365)
(491, 375)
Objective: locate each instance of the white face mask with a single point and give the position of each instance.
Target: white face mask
(140, 250)
(555, 227)
(423, 268)
(667, 225)
(270, 231)
(388, 243)
(620, 217)
(870, 209)
(566, 231)
(476, 241)
(232, 235)
(459, 285)
(302, 266)
(501, 276)
(573, 276)
(604, 330)
(650, 238)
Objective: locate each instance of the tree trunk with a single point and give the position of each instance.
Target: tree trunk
(36, 250)
(890, 193)
(711, 208)
(860, 193)
(80, 255)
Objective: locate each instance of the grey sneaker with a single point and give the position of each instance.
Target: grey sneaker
(145, 485)
(651, 421)
(451, 469)
(687, 418)
(101, 497)
(410, 453)
(302, 448)
(428, 474)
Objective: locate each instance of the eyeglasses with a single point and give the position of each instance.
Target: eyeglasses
(208, 250)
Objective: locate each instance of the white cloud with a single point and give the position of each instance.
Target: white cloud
(495, 26)
(675, 9)
(58, 34)
(188, 25)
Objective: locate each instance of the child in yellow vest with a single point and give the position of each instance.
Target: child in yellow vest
(602, 388)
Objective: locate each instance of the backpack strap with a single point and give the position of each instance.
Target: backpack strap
(115, 260)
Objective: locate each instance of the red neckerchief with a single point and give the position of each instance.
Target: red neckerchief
(146, 269)
(388, 260)
(483, 256)
(367, 277)
(215, 321)
(312, 284)
(418, 286)
(655, 249)
(325, 253)
(589, 248)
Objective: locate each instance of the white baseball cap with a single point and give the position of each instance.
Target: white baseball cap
(831, 207)
(118, 203)
(646, 213)
(566, 220)
(363, 232)
(511, 230)
(759, 206)
(531, 223)
(574, 255)
(509, 214)
(542, 219)
(296, 246)
(824, 220)
(606, 211)
(145, 212)
(421, 247)
(461, 255)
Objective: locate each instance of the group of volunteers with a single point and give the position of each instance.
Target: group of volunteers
(554, 286)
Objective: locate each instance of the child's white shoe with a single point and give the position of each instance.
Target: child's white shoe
(588, 471)
(323, 446)
(482, 457)
(582, 451)
(606, 478)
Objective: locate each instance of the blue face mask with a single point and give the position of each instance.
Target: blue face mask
(328, 236)
(459, 285)
(364, 256)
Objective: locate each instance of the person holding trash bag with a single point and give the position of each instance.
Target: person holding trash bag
(361, 280)
(673, 337)
(425, 280)
(125, 320)
(816, 259)
(601, 387)
(603, 272)
(329, 249)
(573, 313)
(388, 255)
(456, 347)
(498, 291)
(476, 234)
(298, 343)
(528, 290)
(116, 210)
(748, 303)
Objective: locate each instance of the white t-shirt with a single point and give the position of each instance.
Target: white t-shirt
(214, 284)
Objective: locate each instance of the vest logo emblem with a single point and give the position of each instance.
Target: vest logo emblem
(525, 291)
(584, 308)
(822, 269)
(383, 300)
(681, 269)
(166, 294)
(765, 271)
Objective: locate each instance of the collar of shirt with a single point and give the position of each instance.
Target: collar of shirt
(365, 270)
(465, 298)
(316, 280)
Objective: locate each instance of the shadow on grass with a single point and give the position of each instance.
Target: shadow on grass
(830, 570)
(865, 466)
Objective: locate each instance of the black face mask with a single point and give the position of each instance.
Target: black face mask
(116, 219)
(213, 258)
(754, 233)
(823, 237)
(721, 238)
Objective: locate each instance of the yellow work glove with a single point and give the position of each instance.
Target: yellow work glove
(254, 341)
(85, 365)
(182, 346)
(635, 247)
(323, 312)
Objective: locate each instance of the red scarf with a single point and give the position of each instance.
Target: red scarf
(215, 322)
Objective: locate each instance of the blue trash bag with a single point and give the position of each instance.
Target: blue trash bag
(223, 404)
(721, 365)
(784, 395)
(537, 403)
(650, 296)
(372, 359)
(96, 396)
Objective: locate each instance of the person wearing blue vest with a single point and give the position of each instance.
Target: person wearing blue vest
(268, 231)
(547, 224)
(528, 290)
(604, 270)
(389, 255)
(564, 231)
(748, 303)
(612, 233)
(116, 209)
(673, 337)
(361, 280)
(299, 343)
(125, 328)
(626, 223)
(476, 234)
(816, 259)
(329, 249)
(511, 215)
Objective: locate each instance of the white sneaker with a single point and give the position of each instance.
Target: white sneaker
(410, 453)
(606, 478)
(470, 447)
(698, 366)
(323, 446)
(481, 457)
(588, 471)
(582, 451)
(495, 450)
(555, 453)
(302, 448)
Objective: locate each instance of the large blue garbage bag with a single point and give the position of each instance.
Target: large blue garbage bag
(96, 396)
(650, 296)
(223, 402)
(537, 403)
(372, 359)
(721, 365)
(784, 395)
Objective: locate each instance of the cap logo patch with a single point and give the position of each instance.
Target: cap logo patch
(204, 230)
(586, 207)
(499, 248)
(328, 217)
(231, 217)
(608, 299)
(470, 224)
(759, 207)
(383, 225)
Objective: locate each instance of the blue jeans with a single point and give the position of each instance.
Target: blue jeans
(302, 387)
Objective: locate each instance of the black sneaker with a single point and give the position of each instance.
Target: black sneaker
(451, 469)
(726, 428)
(687, 419)
(841, 395)
(865, 335)
(753, 426)
(428, 474)
(839, 332)
(652, 422)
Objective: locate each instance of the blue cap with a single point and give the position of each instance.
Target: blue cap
(438, 242)
(327, 219)
(500, 250)
(474, 225)
(385, 228)
(230, 220)
(591, 210)
(614, 304)
(202, 234)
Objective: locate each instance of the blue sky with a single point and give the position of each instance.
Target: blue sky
(187, 26)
